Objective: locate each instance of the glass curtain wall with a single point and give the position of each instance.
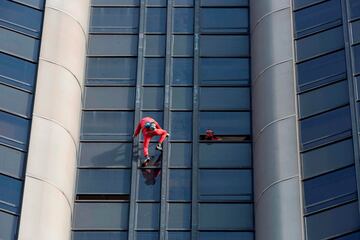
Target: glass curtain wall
(186, 64)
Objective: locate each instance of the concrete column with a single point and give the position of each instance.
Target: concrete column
(51, 166)
(278, 211)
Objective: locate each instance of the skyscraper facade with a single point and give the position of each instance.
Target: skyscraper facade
(276, 81)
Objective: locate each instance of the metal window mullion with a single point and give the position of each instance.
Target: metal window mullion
(195, 133)
(352, 94)
(166, 153)
(136, 143)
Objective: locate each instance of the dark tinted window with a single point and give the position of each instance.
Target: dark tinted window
(11, 162)
(226, 71)
(153, 98)
(103, 181)
(121, 98)
(147, 235)
(224, 46)
(99, 235)
(155, 20)
(327, 158)
(333, 222)
(318, 17)
(226, 235)
(113, 45)
(181, 122)
(148, 216)
(182, 45)
(161, 3)
(180, 155)
(115, 2)
(178, 235)
(318, 44)
(303, 3)
(179, 216)
(351, 236)
(325, 126)
(10, 194)
(154, 71)
(15, 101)
(183, 21)
(233, 20)
(354, 6)
(8, 226)
(330, 189)
(355, 27)
(227, 3)
(155, 45)
(179, 184)
(325, 98)
(101, 216)
(356, 51)
(321, 70)
(114, 20)
(149, 184)
(183, 2)
(224, 98)
(13, 130)
(182, 71)
(111, 70)
(20, 18)
(181, 98)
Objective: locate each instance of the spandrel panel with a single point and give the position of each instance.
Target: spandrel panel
(233, 20)
(103, 181)
(232, 155)
(17, 72)
(225, 123)
(119, 98)
(114, 20)
(105, 154)
(224, 71)
(114, 71)
(92, 216)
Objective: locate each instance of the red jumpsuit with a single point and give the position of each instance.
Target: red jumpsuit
(148, 133)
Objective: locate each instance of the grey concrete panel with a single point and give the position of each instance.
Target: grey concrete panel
(273, 106)
(279, 219)
(271, 42)
(275, 155)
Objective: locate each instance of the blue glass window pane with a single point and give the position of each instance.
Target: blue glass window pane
(114, 20)
(351, 236)
(233, 20)
(182, 46)
(148, 216)
(113, 45)
(107, 125)
(333, 222)
(92, 216)
(115, 2)
(330, 189)
(232, 155)
(147, 235)
(161, 3)
(181, 98)
(355, 27)
(181, 155)
(354, 6)
(155, 20)
(178, 235)
(105, 154)
(182, 71)
(10, 194)
(15, 101)
(114, 98)
(17, 72)
(154, 71)
(111, 71)
(356, 52)
(20, 18)
(319, 43)
(325, 127)
(103, 181)
(327, 158)
(149, 183)
(224, 98)
(179, 216)
(228, 216)
(179, 184)
(317, 18)
(321, 70)
(226, 235)
(224, 46)
(155, 45)
(19, 45)
(304, 3)
(14, 130)
(181, 122)
(11, 162)
(153, 98)
(183, 21)
(225, 71)
(234, 185)
(99, 235)
(225, 123)
(227, 3)
(325, 98)
(183, 2)
(8, 226)
(39, 4)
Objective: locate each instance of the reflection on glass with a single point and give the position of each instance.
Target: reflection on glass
(179, 184)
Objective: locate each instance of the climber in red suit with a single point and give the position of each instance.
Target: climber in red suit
(150, 128)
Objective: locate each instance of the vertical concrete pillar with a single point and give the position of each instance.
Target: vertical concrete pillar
(278, 214)
(51, 166)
